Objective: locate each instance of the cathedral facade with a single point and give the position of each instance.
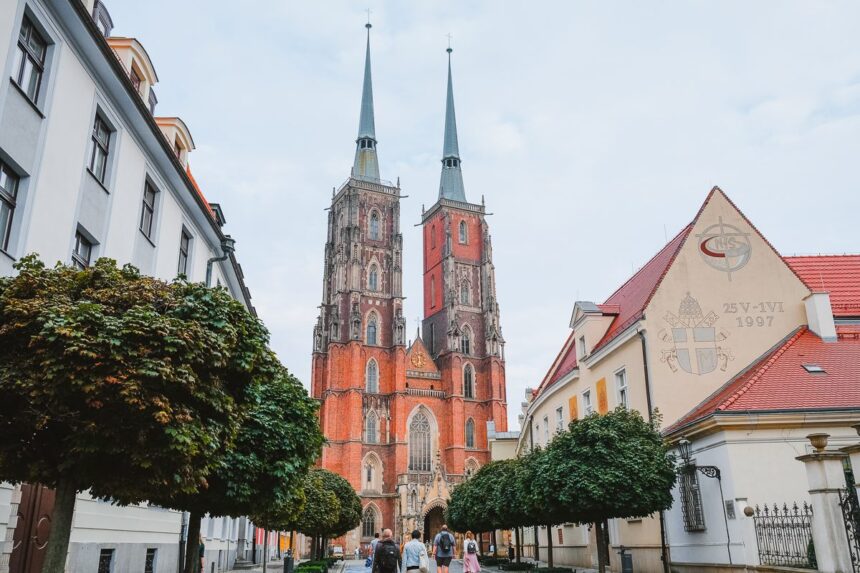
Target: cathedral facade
(406, 420)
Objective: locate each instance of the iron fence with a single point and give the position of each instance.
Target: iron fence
(784, 535)
(851, 515)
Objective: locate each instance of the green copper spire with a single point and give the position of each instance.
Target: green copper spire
(451, 184)
(366, 165)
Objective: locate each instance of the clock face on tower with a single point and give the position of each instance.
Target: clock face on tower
(418, 359)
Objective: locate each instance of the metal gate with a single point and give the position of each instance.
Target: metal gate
(851, 516)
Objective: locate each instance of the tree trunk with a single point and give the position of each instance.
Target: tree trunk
(495, 547)
(61, 528)
(265, 550)
(549, 551)
(537, 543)
(192, 545)
(517, 546)
(601, 552)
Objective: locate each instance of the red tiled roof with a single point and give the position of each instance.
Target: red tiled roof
(633, 296)
(199, 192)
(837, 274)
(778, 381)
(564, 362)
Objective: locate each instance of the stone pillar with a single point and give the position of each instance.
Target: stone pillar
(826, 478)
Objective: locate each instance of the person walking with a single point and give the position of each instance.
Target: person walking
(470, 554)
(373, 543)
(443, 549)
(415, 554)
(386, 558)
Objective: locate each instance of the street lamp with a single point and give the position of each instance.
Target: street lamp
(228, 245)
(685, 448)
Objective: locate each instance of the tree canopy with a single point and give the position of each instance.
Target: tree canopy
(331, 507)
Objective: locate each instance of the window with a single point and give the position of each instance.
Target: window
(432, 291)
(177, 148)
(82, 252)
(586, 402)
(368, 522)
(465, 296)
(370, 431)
(432, 338)
(29, 63)
(466, 340)
(470, 433)
(105, 561)
(580, 347)
(413, 501)
(184, 249)
(147, 213)
(621, 387)
(102, 18)
(372, 329)
(433, 236)
(374, 226)
(372, 377)
(149, 564)
(546, 430)
(464, 233)
(468, 381)
(373, 278)
(153, 101)
(368, 470)
(419, 443)
(691, 500)
(101, 149)
(8, 196)
(136, 80)
(559, 419)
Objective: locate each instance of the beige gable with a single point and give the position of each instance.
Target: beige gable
(726, 299)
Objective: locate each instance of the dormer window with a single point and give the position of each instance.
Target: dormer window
(365, 144)
(136, 80)
(102, 19)
(177, 149)
(452, 162)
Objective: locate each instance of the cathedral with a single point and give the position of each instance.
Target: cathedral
(406, 421)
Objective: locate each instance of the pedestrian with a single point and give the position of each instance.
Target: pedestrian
(357, 553)
(443, 549)
(373, 543)
(510, 552)
(386, 558)
(470, 554)
(415, 554)
(201, 553)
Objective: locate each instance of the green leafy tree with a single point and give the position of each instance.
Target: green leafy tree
(117, 383)
(265, 467)
(608, 466)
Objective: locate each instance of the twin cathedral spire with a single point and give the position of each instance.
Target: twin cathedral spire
(366, 164)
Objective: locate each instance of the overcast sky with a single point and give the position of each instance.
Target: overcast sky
(594, 130)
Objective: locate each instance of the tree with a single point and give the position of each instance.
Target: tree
(118, 383)
(265, 468)
(608, 466)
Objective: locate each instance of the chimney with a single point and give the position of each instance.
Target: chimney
(819, 316)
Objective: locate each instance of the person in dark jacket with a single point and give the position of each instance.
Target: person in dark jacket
(386, 559)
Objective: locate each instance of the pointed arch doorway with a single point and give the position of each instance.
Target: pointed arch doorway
(433, 521)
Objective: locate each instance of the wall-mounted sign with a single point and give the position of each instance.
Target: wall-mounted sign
(725, 247)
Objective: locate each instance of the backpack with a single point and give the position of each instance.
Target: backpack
(445, 541)
(470, 547)
(390, 557)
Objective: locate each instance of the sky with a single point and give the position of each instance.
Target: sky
(594, 131)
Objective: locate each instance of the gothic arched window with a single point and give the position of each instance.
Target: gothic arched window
(432, 236)
(374, 226)
(464, 233)
(372, 377)
(372, 329)
(368, 522)
(419, 443)
(373, 278)
(469, 381)
(466, 340)
(465, 295)
(470, 433)
(370, 430)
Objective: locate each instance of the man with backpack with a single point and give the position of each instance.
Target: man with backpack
(443, 549)
(387, 556)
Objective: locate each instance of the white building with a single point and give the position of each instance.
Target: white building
(87, 171)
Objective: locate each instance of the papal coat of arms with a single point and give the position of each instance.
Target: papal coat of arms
(695, 340)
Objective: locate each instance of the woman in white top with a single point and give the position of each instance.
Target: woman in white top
(471, 550)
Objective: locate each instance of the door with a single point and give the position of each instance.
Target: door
(32, 530)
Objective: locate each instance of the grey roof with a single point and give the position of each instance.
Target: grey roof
(366, 164)
(451, 183)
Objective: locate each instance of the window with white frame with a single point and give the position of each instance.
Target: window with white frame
(101, 149)
(586, 402)
(8, 197)
(82, 252)
(559, 419)
(580, 347)
(419, 443)
(621, 387)
(29, 66)
(184, 250)
(147, 212)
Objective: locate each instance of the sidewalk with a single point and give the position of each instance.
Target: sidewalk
(575, 568)
(277, 566)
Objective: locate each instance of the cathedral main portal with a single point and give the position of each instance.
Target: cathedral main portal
(433, 523)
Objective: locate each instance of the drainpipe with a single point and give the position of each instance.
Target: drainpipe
(664, 549)
(228, 245)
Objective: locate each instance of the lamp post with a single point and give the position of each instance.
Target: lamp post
(228, 245)
(685, 448)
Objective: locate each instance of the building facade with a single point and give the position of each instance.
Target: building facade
(406, 420)
(87, 170)
(707, 308)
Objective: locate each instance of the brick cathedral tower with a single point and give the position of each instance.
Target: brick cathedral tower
(404, 425)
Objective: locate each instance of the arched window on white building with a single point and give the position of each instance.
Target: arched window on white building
(419, 443)
(470, 433)
(372, 377)
(469, 381)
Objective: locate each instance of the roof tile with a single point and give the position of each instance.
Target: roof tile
(837, 274)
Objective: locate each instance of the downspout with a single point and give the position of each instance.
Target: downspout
(664, 549)
(228, 245)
